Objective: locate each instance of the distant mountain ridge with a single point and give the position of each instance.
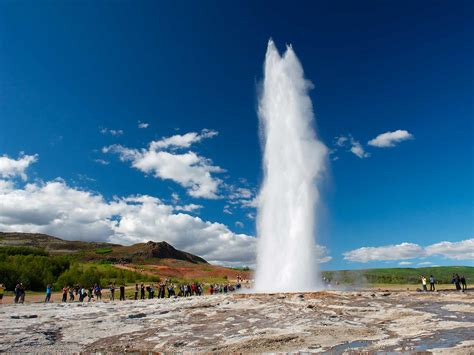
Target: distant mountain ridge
(93, 251)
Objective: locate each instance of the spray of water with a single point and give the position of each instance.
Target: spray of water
(293, 161)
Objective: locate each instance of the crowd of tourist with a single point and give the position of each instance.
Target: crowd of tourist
(141, 291)
(458, 281)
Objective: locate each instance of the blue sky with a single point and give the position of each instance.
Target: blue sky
(79, 76)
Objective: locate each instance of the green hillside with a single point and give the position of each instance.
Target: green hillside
(442, 274)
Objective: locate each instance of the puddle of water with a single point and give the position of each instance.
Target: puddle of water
(339, 349)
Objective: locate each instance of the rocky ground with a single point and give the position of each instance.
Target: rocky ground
(336, 321)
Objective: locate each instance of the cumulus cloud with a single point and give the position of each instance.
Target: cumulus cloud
(112, 132)
(239, 224)
(390, 252)
(10, 168)
(390, 139)
(190, 170)
(462, 250)
(61, 210)
(143, 125)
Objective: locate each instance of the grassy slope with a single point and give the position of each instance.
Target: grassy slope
(442, 274)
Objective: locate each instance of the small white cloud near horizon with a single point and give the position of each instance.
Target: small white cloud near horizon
(462, 250)
(143, 125)
(404, 263)
(10, 168)
(390, 139)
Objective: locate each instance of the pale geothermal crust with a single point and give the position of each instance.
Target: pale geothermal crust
(337, 321)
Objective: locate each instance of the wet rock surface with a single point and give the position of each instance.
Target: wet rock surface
(336, 321)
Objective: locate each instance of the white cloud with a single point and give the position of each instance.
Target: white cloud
(357, 149)
(188, 208)
(390, 252)
(242, 196)
(184, 140)
(10, 168)
(58, 209)
(175, 197)
(404, 263)
(354, 147)
(424, 263)
(321, 254)
(113, 132)
(462, 250)
(341, 141)
(143, 125)
(250, 215)
(390, 139)
(101, 161)
(188, 169)
(239, 224)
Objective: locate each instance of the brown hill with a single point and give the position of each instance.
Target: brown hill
(47, 242)
(93, 251)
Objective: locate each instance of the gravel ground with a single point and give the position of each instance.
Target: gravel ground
(326, 321)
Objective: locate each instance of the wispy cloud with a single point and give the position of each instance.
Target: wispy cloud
(358, 150)
(112, 132)
(143, 125)
(390, 139)
(101, 161)
(351, 144)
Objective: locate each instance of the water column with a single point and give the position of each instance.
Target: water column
(293, 160)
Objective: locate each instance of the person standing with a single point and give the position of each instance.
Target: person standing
(22, 293)
(2, 291)
(142, 291)
(65, 289)
(112, 292)
(71, 294)
(463, 283)
(432, 283)
(48, 294)
(423, 282)
(122, 292)
(457, 281)
(136, 292)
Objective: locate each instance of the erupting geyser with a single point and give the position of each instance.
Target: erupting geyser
(293, 159)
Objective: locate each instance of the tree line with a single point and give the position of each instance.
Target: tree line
(36, 268)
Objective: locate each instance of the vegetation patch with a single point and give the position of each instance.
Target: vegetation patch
(102, 251)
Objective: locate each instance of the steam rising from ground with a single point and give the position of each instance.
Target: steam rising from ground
(293, 160)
